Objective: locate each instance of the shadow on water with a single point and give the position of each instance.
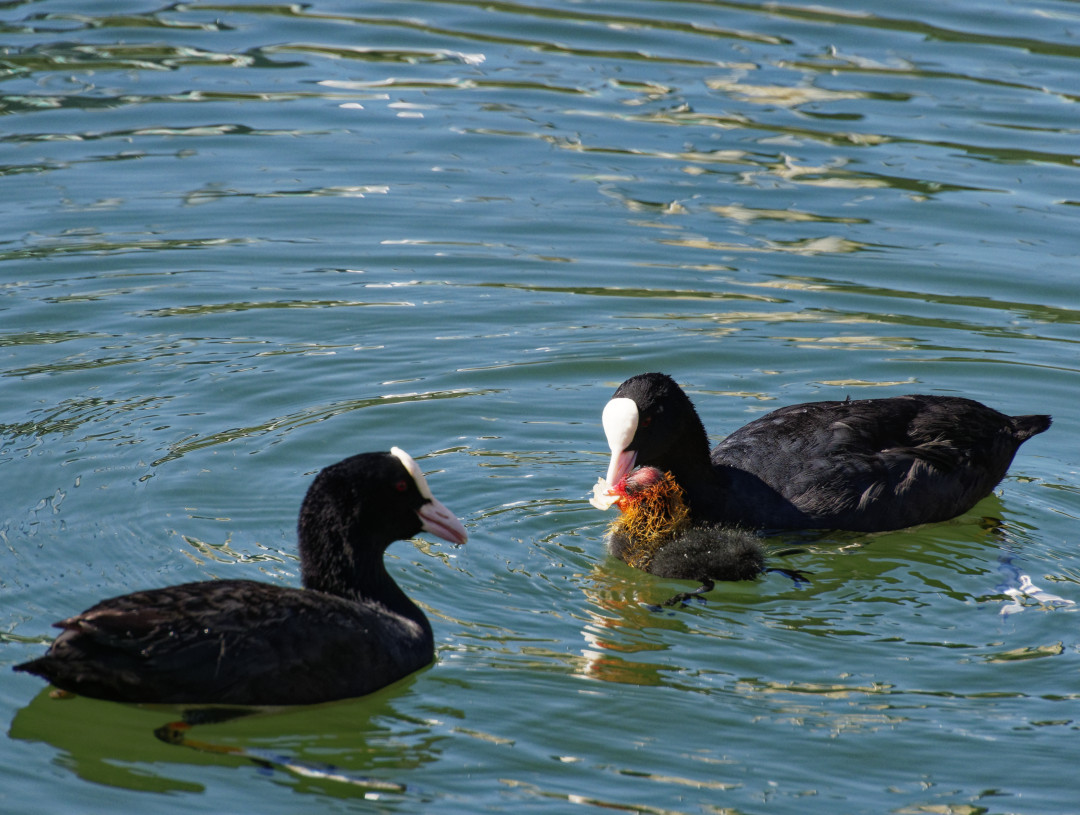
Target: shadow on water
(351, 748)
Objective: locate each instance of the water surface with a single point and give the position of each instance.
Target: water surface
(241, 241)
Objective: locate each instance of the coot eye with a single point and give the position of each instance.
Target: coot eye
(646, 421)
(401, 486)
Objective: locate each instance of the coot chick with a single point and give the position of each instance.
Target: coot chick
(348, 632)
(654, 533)
(865, 465)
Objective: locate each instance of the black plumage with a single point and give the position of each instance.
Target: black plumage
(350, 631)
(865, 465)
(710, 552)
(701, 552)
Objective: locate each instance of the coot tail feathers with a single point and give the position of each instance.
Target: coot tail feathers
(1028, 426)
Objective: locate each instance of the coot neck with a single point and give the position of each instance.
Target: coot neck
(687, 454)
(714, 494)
(354, 570)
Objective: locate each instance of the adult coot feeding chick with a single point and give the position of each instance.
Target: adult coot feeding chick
(654, 533)
(348, 632)
(865, 465)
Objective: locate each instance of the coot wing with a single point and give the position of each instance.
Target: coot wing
(876, 464)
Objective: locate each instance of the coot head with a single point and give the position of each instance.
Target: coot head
(652, 512)
(651, 421)
(356, 508)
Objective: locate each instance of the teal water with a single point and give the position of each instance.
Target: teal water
(243, 240)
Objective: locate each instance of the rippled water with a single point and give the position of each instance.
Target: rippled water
(241, 241)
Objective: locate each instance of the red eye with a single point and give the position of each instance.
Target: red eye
(401, 486)
(646, 421)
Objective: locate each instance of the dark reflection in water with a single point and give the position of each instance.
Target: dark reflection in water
(344, 749)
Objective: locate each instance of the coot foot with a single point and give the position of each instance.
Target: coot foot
(798, 577)
(680, 598)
